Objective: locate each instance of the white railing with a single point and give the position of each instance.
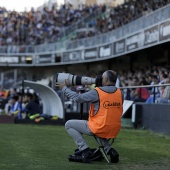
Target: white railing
(86, 106)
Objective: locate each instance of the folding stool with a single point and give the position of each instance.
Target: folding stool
(101, 147)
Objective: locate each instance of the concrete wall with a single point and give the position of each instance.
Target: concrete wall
(154, 117)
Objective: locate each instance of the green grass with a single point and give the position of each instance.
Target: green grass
(40, 147)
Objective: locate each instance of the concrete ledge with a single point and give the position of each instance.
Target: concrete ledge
(127, 123)
(7, 119)
(155, 117)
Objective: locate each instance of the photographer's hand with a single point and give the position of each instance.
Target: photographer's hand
(61, 85)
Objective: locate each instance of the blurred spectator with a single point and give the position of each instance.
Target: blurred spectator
(154, 92)
(165, 97)
(13, 92)
(14, 106)
(162, 78)
(2, 93)
(141, 94)
(155, 81)
(21, 106)
(126, 92)
(32, 108)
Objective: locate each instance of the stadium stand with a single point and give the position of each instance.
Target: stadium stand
(46, 26)
(100, 38)
(39, 27)
(121, 15)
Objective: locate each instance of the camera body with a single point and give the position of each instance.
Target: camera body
(74, 80)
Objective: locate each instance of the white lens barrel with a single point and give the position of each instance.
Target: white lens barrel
(74, 80)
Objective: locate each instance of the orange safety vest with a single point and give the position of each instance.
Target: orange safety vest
(106, 123)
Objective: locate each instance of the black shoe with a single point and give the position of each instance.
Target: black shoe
(78, 152)
(75, 158)
(80, 156)
(114, 156)
(86, 154)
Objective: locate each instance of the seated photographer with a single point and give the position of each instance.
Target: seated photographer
(104, 115)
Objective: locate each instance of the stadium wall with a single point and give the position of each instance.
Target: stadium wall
(154, 117)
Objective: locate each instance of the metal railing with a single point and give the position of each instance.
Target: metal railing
(71, 106)
(147, 86)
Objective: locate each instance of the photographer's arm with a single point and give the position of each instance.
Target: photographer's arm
(90, 96)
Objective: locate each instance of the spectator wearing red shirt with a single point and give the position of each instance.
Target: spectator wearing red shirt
(141, 94)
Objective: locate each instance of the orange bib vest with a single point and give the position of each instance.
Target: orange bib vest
(106, 123)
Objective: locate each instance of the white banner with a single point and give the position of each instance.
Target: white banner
(105, 51)
(4, 59)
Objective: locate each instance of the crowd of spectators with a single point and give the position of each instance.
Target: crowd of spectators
(138, 83)
(39, 26)
(44, 26)
(130, 81)
(155, 75)
(23, 105)
(121, 15)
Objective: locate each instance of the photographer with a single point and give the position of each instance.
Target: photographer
(104, 115)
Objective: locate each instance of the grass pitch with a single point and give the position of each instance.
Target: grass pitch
(42, 147)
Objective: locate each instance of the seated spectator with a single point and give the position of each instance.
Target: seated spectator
(165, 97)
(154, 92)
(21, 106)
(131, 90)
(32, 108)
(141, 94)
(162, 79)
(126, 92)
(14, 105)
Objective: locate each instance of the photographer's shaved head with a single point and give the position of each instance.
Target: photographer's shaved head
(109, 77)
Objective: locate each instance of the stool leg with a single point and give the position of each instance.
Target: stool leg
(104, 153)
(101, 147)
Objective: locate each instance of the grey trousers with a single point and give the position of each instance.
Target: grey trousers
(76, 129)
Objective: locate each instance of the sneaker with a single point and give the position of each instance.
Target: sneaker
(114, 156)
